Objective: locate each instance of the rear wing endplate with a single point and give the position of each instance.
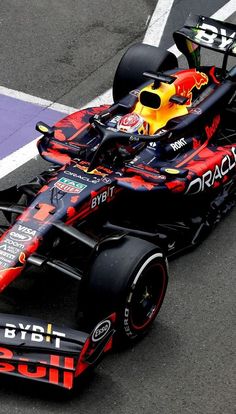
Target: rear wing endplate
(206, 32)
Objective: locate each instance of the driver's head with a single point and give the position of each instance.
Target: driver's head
(130, 123)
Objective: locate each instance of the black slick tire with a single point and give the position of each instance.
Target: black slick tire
(129, 278)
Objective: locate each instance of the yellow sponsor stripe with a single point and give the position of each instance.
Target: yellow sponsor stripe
(49, 332)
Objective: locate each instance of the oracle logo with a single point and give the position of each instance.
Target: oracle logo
(208, 179)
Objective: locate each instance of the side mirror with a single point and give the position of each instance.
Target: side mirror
(178, 99)
(44, 129)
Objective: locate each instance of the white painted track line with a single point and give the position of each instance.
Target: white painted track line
(36, 100)
(29, 151)
(155, 31)
(18, 158)
(225, 11)
(153, 36)
(159, 19)
(104, 98)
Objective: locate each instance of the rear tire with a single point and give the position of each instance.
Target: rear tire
(130, 279)
(140, 58)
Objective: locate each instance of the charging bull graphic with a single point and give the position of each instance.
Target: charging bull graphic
(188, 80)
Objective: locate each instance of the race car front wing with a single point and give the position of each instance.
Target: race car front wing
(42, 351)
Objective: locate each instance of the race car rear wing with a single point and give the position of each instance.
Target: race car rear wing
(37, 350)
(206, 32)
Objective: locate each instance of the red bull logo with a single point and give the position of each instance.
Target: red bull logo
(187, 80)
(54, 369)
(93, 172)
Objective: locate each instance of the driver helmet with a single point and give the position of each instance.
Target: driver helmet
(133, 123)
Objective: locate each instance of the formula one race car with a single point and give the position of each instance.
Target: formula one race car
(131, 184)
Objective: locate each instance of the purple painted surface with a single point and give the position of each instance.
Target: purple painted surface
(17, 123)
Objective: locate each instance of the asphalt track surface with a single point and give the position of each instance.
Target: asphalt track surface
(67, 52)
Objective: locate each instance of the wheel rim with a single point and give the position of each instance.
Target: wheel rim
(147, 296)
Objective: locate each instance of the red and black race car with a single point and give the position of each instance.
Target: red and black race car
(131, 184)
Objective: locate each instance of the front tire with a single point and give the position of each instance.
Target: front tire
(130, 279)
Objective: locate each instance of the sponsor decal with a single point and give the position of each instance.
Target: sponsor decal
(93, 180)
(33, 333)
(69, 186)
(3, 264)
(19, 246)
(178, 144)
(21, 233)
(19, 237)
(5, 253)
(208, 34)
(152, 144)
(102, 197)
(126, 323)
(127, 320)
(161, 132)
(6, 257)
(106, 180)
(134, 138)
(101, 330)
(196, 111)
(171, 246)
(26, 230)
(9, 249)
(134, 92)
(208, 179)
(210, 130)
(46, 370)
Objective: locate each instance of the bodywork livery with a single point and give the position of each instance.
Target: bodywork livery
(163, 157)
